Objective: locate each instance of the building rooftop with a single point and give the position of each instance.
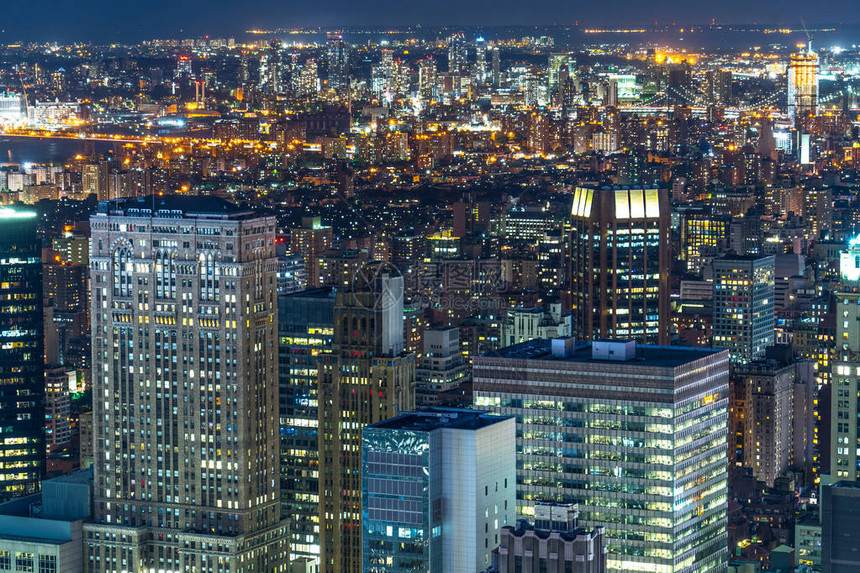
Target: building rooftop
(729, 257)
(319, 292)
(175, 206)
(524, 527)
(657, 356)
(434, 418)
(84, 476)
(852, 485)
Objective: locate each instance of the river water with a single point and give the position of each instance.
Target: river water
(22, 150)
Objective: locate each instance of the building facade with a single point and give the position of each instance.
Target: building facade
(58, 401)
(845, 373)
(554, 543)
(636, 435)
(803, 84)
(744, 306)
(41, 533)
(22, 356)
(311, 241)
(305, 331)
(840, 527)
(184, 319)
(767, 426)
(443, 367)
(524, 324)
(619, 264)
(366, 378)
(437, 486)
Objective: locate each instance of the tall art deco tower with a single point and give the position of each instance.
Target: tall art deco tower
(365, 379)
(184, 319)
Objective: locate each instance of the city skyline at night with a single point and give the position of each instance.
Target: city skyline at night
(429, 288)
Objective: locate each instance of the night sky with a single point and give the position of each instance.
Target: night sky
(134, 20)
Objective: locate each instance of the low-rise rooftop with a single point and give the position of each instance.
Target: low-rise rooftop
(434, 418)
(645, 355)
(175, 206)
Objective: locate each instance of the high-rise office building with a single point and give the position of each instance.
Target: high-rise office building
(840, 527)
(458, 55)
(704, 236)
(58, 401)
(437, 487)
(22, 355)
(305, 331)
(718, 85)
(291, 273)
(803, 84)
(744, 306)
(558, 71)
(185, 396)
(65, 290)
(427, 78)
(768, 388)
(311, 241)
(611, 426)
(523, 324)
(367, 378)
(337, 59)
(271, 68)
(95, 180)
(619, 264)
(443, 367)
(845, 371)
(497, 67)
(818, 211)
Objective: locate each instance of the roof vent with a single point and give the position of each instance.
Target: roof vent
(563, 347)
(613, 350)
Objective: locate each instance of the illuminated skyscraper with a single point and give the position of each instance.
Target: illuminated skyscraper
(183, 68)
(337, 59)
(367, 378)
(844, 427)
(744, 306)
(305, 329)
(95, 180)
(22, 356)
(427, 78)
(311, 241)
(767, 387)
(803, 84)
(58, 433)
(480, 60)
(704, 236)
(818, 211)
(185, 395)
(619, 253)
(458, 55)
(718, 85)
(559, 70)
(271, 69)
(306, 82)
(497, 73)
(636, 435)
